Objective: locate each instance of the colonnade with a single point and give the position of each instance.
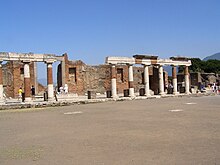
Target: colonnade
(26, 59)
(146, 80)
(27, 81)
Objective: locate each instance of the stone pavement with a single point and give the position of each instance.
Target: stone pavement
(70, 99)
(168, 131)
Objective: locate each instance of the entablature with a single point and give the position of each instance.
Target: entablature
(120, 60)
(27, 57)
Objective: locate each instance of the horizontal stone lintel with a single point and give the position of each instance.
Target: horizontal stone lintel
(173, 62)
(127, 60)
(28, 57)
(120, 60)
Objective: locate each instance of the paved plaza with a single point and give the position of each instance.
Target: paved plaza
(166, 131)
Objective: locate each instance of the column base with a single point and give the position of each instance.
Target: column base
(2, 101)
(176, 93)
(51, 99)
(115, 97)
(28, 100)
(131, 92)
(147, 95)
(162, 93)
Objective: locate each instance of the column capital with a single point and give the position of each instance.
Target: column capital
(26, 61)
(49, 65)
(49, 62)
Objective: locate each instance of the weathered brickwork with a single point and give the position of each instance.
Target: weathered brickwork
(13, 78)
(81, 78)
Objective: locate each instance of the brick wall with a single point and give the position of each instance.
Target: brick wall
(13, 77)
(81, 78)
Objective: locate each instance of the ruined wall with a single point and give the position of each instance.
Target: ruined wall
(195, 79)
(97, 78)
(121, 78)
(81, 78)
(138, 72)
(8, 82)
(13, 77)
(154, 80)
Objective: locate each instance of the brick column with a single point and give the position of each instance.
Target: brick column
(113, 82)
(27, 81)
(50, 81)
(174, 76)
(146, 80)
(131, 81)
(63, 72)
(161, 81)
(1, 84)
(186, 73)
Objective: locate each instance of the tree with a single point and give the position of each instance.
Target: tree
(210, 66)
(196, 65)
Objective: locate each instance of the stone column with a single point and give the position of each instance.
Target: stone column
(146, 80)
(35, 78)
(27, 82)
(50, 81)
(161, 81)
(1, 84)
(63, 72)
(131, 81)
(113, 82)
(174, 76)
(186, 73)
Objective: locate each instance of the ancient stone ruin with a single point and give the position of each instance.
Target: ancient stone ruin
(142, 74)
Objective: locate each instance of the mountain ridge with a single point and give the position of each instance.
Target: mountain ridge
(215, 56)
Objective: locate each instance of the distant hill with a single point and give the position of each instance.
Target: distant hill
(213, 57)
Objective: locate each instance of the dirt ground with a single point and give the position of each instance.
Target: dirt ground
(182, 131)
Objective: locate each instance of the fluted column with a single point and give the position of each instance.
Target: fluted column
(113, 81)
(146, 80)
(27, 81)
(131, 80)
(174, 76)
(50, 81)
(186, 73)
(1, 84)
(161, 81)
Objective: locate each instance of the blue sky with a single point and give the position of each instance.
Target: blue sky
(90, 30)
